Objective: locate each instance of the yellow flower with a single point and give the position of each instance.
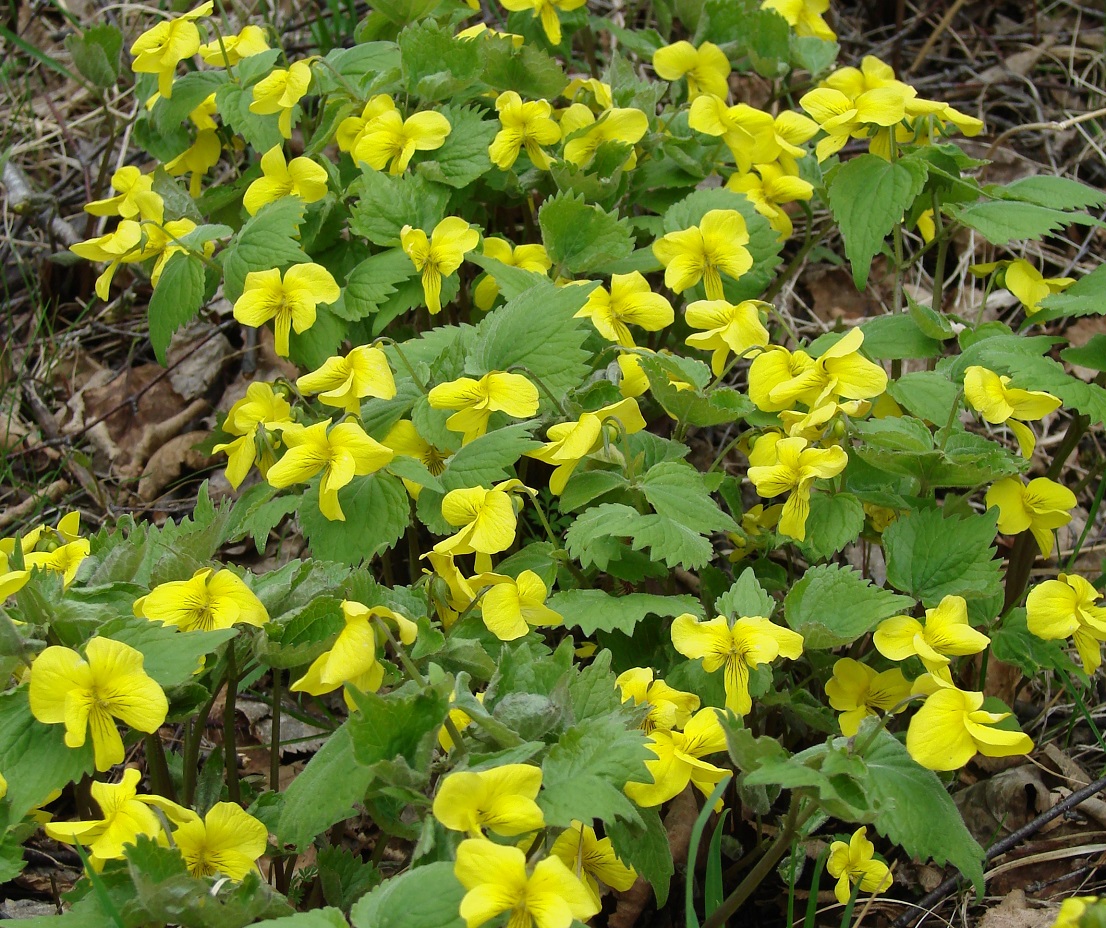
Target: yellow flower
(438, 256)
(135, 198)
(584, 134)
(1030, 286)
(1041, 506)
(211, 599)
(768, 191)
(226, 842)
(570, 442)
(388, 137)
(457, 594)
(871, 75)
(460, 719)
(233, 48)
(301, 178)
(592, 859)
(162, 242)
(11, 581)
(1065, 608)
(350, 129)
(546, 11)
(526, 257)
(630, 301)
(581, 89)
(805, 17)
(795, 470)
(126, 815)
(404, 439)
(633, 381)
(487, 519)
(64, 559)
(289, 301)
(706, 68)
(668, 708)
(280, 91)
(679, 760)
(203, 115)
(511, 605)
(198, 159)
(946, 633)
(344, 382)
(853, 863)
(748, 133)
(159, 50)
(259, 412)
(729, 328)
(476, 400)
(704, 252)
(81, 694)
(341, 454)
(1072, 910)
(856, 691)
(749, 642)
(951, 727)
(351, 660)
(842, 117)
(791, 129)
(997, 402)
(500, 799)
(525, 125)
(118, 247)
(61, 550)
(482, 29)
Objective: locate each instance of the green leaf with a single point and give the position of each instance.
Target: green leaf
(1055, 192)
(586, 485)
(1092, 354)
(463, 156)
(377, 514)
(1086, 297)
(316, 918)
(591, 536)
(893, 337)
(582, 238)
(372, 282)
(398, 724)
(189, 91)
(386, 203)
(595, 610)
(512, 281)
(584, 772)
(1015, 644)
(913, 809)
(176, 300)
(425, 897)
(528, 70)
(677, 491)
(96, 53)
(171, 656)
(345, 877)
(833, 605)
(33, 756)
(930, 556)
(1004, 221)
(267, 240)
(933, 324)
(645, 848)
(929, 395)
(697, 406)
(868, 197)
(259, 519)
(311, 348)
(359, 65)
(436, 64)
(745, 598)
(835, 521)
(233, 103)
(301, 634)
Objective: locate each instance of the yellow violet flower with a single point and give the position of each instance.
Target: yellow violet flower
(856, 691)
(706, 68)
(511, 605)
(439, 255)
(64, 559)
(551, 896)
(388, 137)
(351, 660)
(341, 454)
(289, 300)
(581, 89)
(351, 128)
(853, 863)
(227, 842)
(1065, 608)
(946, 633)
(198, 159)
(704, 252)
(203, 115)
(1030, 286)
(210, 600)
(768, 189)
(120, 246)
(344, 382)
(570, 442)
(546, 11)
(457, 594)
(532, 258)
(729, 328)
(487, 520)
(11, 581)
(482, 29)
(259, 412)
(476, 400)
(795, 470)
(233, 48)
(805, 17)
(162, 243)
(525, 125)
(749, 642)
(404, 439)
(592, 859)
(679, 760)
(668, 707)
(997, 402)
(126, 815)
(842, 117)
(871, 75)
(1041, 506)
(159, 50)
(301, 178)
(135, 198)
(951, 728)
(584, 134)
(500, 799)
(630, 302)
(747, 132)
(280, 91)
(791, 129)
(91, 693)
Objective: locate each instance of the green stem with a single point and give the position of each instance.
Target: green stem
(193, 734)
(544, 389)
(399, 353)
(230, 750)
(159, 767)
(937, 301)
(274, 743)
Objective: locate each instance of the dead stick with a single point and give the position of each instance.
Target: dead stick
(53, 493)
